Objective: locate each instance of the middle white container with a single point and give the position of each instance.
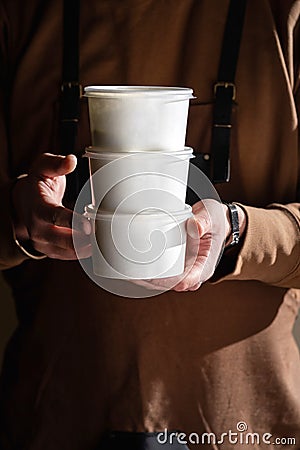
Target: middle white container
(130, 182)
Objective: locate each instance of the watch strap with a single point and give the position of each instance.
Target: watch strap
(235, 227)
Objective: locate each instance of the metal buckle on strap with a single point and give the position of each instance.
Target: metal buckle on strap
(222, 125)
(226, 85)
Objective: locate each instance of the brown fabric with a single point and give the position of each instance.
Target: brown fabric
(82, 360)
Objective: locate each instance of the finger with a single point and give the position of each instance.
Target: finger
(54, 252)
(190, 280)
(181, 283)
(51, 166)
(162, 284)
(195, 232)
(195, 287)
(61, 237)
(198, 226)
(197, 248)
(146, 284)
(64, 217)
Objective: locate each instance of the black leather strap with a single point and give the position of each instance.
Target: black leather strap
(70, 88)
(225, 92)
(235, 226)
(70, 92)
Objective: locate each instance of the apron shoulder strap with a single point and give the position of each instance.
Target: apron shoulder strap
(225, 92)
(71, 91)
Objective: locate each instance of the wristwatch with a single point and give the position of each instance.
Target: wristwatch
(234, 238)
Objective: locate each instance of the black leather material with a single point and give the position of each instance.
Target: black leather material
(220, 152)
(202, 161)
(225, 92)
(234, 222)
(70, 99)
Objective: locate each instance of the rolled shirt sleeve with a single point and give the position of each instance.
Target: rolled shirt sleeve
(270, 250)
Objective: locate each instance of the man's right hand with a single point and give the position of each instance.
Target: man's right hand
(39, 215)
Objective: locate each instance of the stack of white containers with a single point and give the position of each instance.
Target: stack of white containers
(138, 174)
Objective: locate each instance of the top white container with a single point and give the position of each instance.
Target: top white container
(138, 118)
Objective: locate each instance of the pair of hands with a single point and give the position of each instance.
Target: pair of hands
(41, 218)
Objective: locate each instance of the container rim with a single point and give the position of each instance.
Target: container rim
(187, 151)
(148, 91)
(102, 214)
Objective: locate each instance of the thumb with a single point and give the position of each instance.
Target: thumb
(51, 166)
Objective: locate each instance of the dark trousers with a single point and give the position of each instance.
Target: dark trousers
(141, 441)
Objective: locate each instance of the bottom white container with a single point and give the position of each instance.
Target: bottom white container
(147, 244)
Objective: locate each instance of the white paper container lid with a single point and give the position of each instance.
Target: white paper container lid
(137, 91)
(91, 152)
(102, 214)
